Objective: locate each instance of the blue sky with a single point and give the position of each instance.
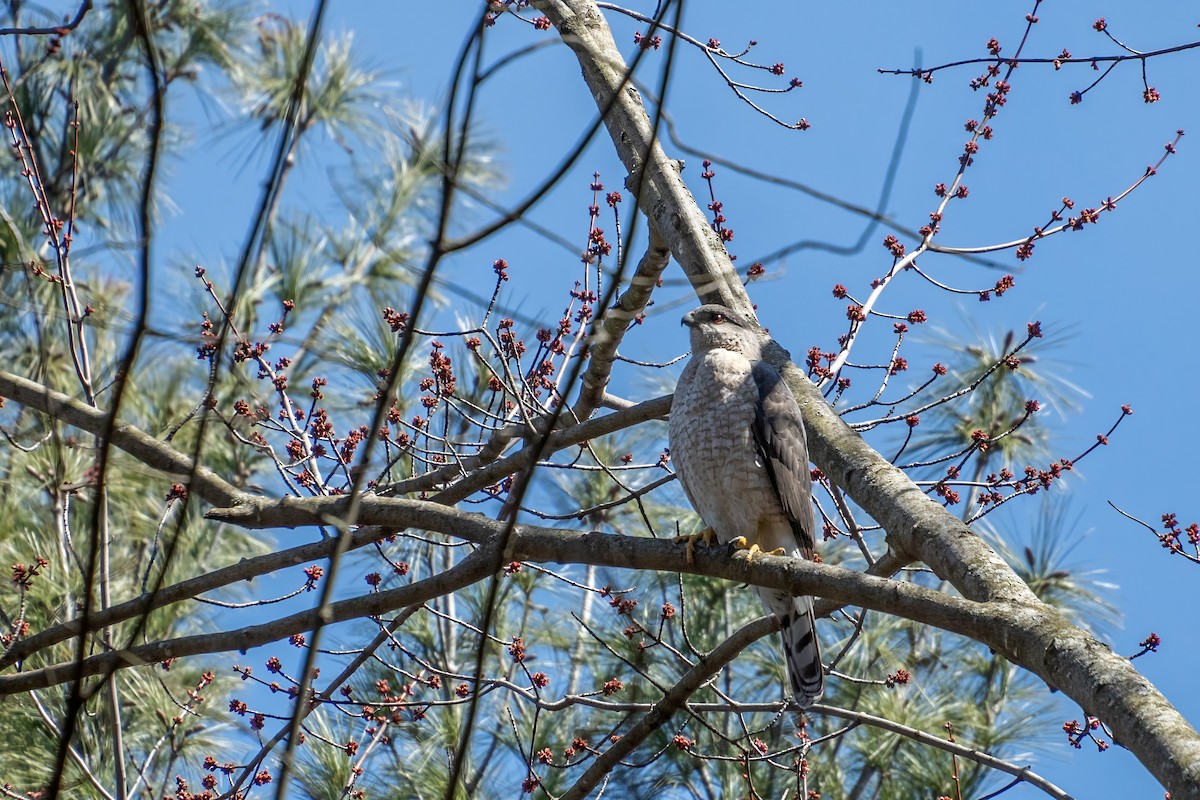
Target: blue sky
(1121, 288)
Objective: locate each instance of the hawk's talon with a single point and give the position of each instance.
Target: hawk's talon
(708, 536)
(741, 546)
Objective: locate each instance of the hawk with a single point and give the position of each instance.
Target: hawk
(739, 449)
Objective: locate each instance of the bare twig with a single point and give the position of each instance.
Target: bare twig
(979, 757)
(674, 699)
(52, 30)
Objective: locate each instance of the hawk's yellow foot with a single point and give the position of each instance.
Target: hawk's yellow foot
(708, 536)
(740, 546)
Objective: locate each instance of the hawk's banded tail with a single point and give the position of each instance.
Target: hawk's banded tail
(801, 650)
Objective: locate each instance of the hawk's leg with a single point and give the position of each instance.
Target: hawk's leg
(708, 536)
(741, 546)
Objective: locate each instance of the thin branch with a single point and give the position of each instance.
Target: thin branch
(473, 568)
(75, 755)
(325, 695)
(1074, 60)
(53, 30)
(483, 469)
(979, 757)
(672, 701)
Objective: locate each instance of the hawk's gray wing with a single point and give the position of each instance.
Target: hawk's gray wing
(779, 437)
(782, 447)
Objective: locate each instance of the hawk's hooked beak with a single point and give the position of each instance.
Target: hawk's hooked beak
(689, 319)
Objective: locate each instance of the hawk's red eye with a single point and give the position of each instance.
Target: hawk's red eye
(718, 318)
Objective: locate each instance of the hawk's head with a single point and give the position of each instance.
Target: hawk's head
(717, 327)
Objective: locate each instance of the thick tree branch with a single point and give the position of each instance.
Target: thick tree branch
(142, 446)
(526, 543)
(656, 179)
(607, 336)
(1070, 659)
(540, 544)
